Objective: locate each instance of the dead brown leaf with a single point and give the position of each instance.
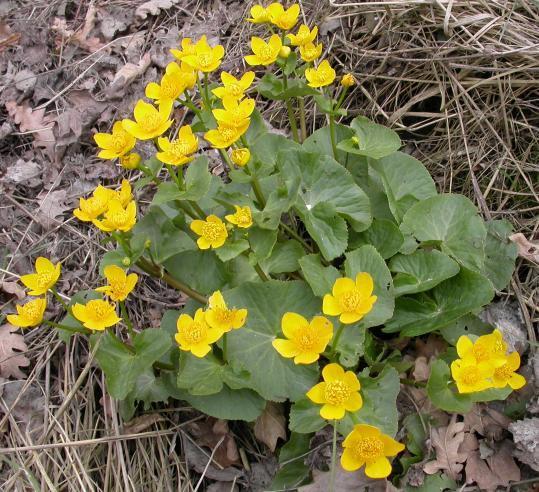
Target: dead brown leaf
(36, 123)
(139, 424)
(153, 7)
(198, 459)
(13, 288)
(421, 369)
(271, 425)
(498, 470)
(12, 348)
(51, 206)
(7, 36)
(486, 421)
(344, 482)
(126, 75)
(432, 347)
(209, 432)
(526, 249)
(26, 407)
(446, 442)
(23, 172)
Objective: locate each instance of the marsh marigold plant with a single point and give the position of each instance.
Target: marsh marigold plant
(298, 256)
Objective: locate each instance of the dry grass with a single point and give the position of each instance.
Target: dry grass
(458, 80)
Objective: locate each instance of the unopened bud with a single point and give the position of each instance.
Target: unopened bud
(126, 261)
(355, 140)
(130, 161)
(348, 80)
(240, 157)
(284, 52)
(147, 243)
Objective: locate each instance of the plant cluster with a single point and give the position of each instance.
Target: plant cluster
(307, 259)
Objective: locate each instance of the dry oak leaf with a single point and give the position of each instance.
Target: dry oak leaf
(153, 7)
(446, 442)
(51, 205)
(345, 481)
(126, 75)
(11, 357)
(36, 123)
(13, 288)
(139, 424)
(486, 421)
(526, 249)
(271, 425)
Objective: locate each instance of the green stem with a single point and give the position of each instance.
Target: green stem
(207, 90)
(197, 209)
(258, 191)
(412, 382)
(296, 236)
(127, 320)
(341, 98)
(71, 329)
(191, 105)
(154, 271)
(174, 176)
(186, 209)
(226, 158)
(290, 110)
(332, 135)
(59, 299)
(336, 341)
(333, 458)
(302, 123)
(261, 273)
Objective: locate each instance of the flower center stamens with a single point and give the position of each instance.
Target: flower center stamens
(369, 448)
(211, 231)
(337, 392)
(349, 301)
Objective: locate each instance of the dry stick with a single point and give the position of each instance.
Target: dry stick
(200, 480)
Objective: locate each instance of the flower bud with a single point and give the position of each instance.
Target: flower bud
(147, 243)
(240, 157)
(284, 52)
(126, 261)
(355, 140)
(130, 161)
(348, 80)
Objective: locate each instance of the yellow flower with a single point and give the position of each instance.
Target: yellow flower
(173, 84)
(188, 48)
(489, 349)
(351, 300)
(310, 52)
(264, 53)
(285, 51)
(119, 283)
(305, 341)
(506, 375)
(241, 218)
(233, 87)
(212, 232)
(91, 208)
(220, 317)
(348, 80)
(240, 157)
(195, 335)
(114, 144)
(235, 113)
(118, 218)
(471, 376)
(46, 276)
(303, 36)
(205, 58)
(284, 19)
(259, 15)
(29, 314)
(97, 314)
(320, 76)
(124, 193)
(130, 161)
(225, 135)
(366, 445)
(177, 152)
(338, 393)
(149, 121)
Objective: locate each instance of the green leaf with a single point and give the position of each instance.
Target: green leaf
(147, 389)
(230, 250)
(351, 345)
(271, 87)
(451, 221)
(284, 258)
(500, 254)
(164, 238)
(200, 376)
(468, 324)
(327, 228)
(416, 434)
(197, 184)
(296, 447)
(320, 142)
(440, 392)
(327, 106)
(434, 483)
(325, 181)
(448, 301)
(262, 241)
(257, 128)
(290, 476)
(272, 376)
(374, 140)
(367, 259)
(421, 271)
(201, 270)
(319, 277)
(405, 180)
(264, 154)
(121, 366)
(155, 166)
(379, 402)
(383, 234)
(491, 394)
(305, 417)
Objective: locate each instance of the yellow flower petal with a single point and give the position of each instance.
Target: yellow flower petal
(330, 306)
(331, 412)
(350, 462)
(380, 468)
(317, 393)
(332, 372)
(285, 348)
(343, 285)
(291, 323)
